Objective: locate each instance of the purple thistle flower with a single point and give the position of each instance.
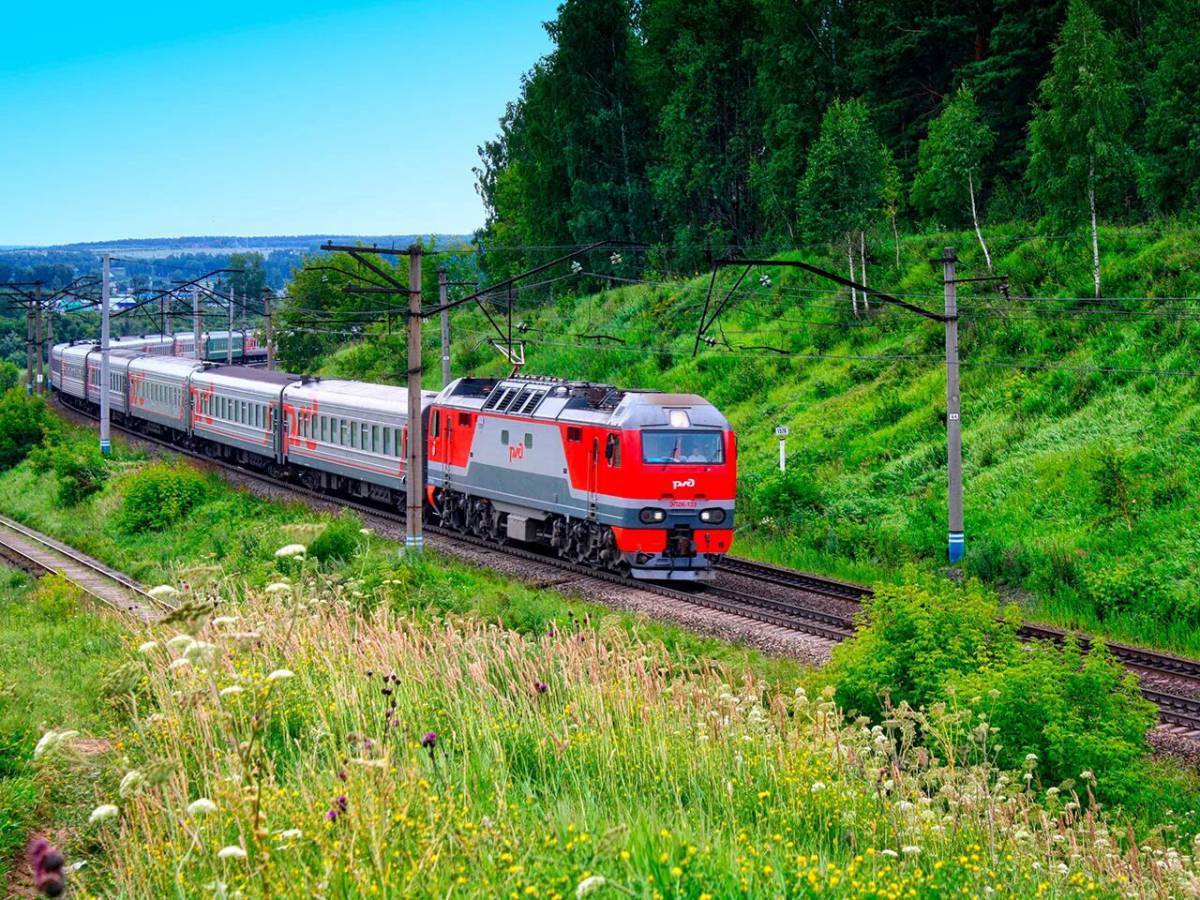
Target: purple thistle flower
(429, 741)
(341, 774)
(47, 865)
(342, 803)
(541, 687)
(332, 815)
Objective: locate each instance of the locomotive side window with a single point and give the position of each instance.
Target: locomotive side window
(504, 438)
(464, 418)
(575, 434)
(528, 441)
(612, 450)
(436, 426)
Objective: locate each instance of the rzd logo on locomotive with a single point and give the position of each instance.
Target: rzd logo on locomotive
(689, 483)
(517, 451)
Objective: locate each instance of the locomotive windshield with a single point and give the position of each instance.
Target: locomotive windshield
(674, 447)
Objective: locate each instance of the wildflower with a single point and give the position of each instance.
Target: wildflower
(290, 834)
(147, 647)
(51, 741)
(278, 587)
(201, 807)
(1087, 775)
(429, 740)
(179, 642)
(818, 786)
(889, 852)
(220, 621)
(163, 592)
(1031, 758)
(910, 850)
(102, 812)
(764, 280)
(179, 663)
(290, 551)
(365, 532)
(233, 851)
(541, 687)
(231, 691)
(132, 782)
(281, 675)
(200, 652)
(576, 267)
(47, 864)
(589, 884)
(615, 259)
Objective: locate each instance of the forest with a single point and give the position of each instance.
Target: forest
(699, 125)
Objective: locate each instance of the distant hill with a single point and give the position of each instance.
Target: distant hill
(221, 244)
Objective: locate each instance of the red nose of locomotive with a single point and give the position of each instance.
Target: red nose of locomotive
(682, 480)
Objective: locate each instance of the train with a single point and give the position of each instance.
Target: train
(635, 482)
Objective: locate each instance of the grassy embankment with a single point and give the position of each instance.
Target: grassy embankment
(1082, 485)
(359, 725)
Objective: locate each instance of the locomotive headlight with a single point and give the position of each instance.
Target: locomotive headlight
(712, 516)
(650, 515)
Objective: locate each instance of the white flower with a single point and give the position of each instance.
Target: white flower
(365, 532)
(148, 647)
(51, 741)
(1087, 775)
(889, 852)
(1031, 757)
(132, 781)
(818, 786)
(280, 675)
(910, 850)
(279, 587)
(615, 259)
(225, 620)
(589, 884)
(764, 280)
(290, 834)
(576, 267)
(102, 812)
(233, 851)
(201, 807)
(179, 642)
(163, 592)
(231, 690)
(179, 663)
(291, 550)
(200, 652)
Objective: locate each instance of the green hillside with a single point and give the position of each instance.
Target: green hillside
(1079, 416)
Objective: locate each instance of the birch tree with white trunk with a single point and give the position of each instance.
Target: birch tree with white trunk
(950, 164)
(1080, 157)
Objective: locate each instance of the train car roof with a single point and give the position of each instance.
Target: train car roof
(221, 372)
(363, 394)
(579, 401)
(175, 365)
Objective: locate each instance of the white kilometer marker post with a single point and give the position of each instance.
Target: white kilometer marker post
(781, 432)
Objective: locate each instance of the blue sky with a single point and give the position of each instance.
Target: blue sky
(156, 120)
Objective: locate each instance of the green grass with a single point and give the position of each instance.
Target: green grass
(1082, 487)
(53, 651)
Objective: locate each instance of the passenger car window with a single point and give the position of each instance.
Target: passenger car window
(504, 438)
(528, 441)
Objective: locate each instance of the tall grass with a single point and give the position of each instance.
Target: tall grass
(346, 753)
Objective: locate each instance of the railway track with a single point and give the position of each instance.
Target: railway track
(37, 553)
(791, 613)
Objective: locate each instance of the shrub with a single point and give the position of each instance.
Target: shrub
(339, 540)
(10, 376)
(785, 497)
(81, 471)
(911, 642)
(25, 422)
(159, 495)
(1075, 712)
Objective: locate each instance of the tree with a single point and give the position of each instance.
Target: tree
(950, 162)
(1079, 155)
(843, 181)
(1170, 171)
(248, 284)
(891, 194)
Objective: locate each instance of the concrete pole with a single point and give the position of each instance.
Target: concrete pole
(105, 297)
(954, 494)
(197, 330)
(414, 536)
(443, 295)
(40, 344)
(28, 348)
(229, 343)
(270, 328)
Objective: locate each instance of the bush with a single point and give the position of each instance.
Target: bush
(910, 643)
(1075, 712)
(339, 540)
(159, 495)
(25, 422)
(80, 468)
(785, 497)
(10, 376)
